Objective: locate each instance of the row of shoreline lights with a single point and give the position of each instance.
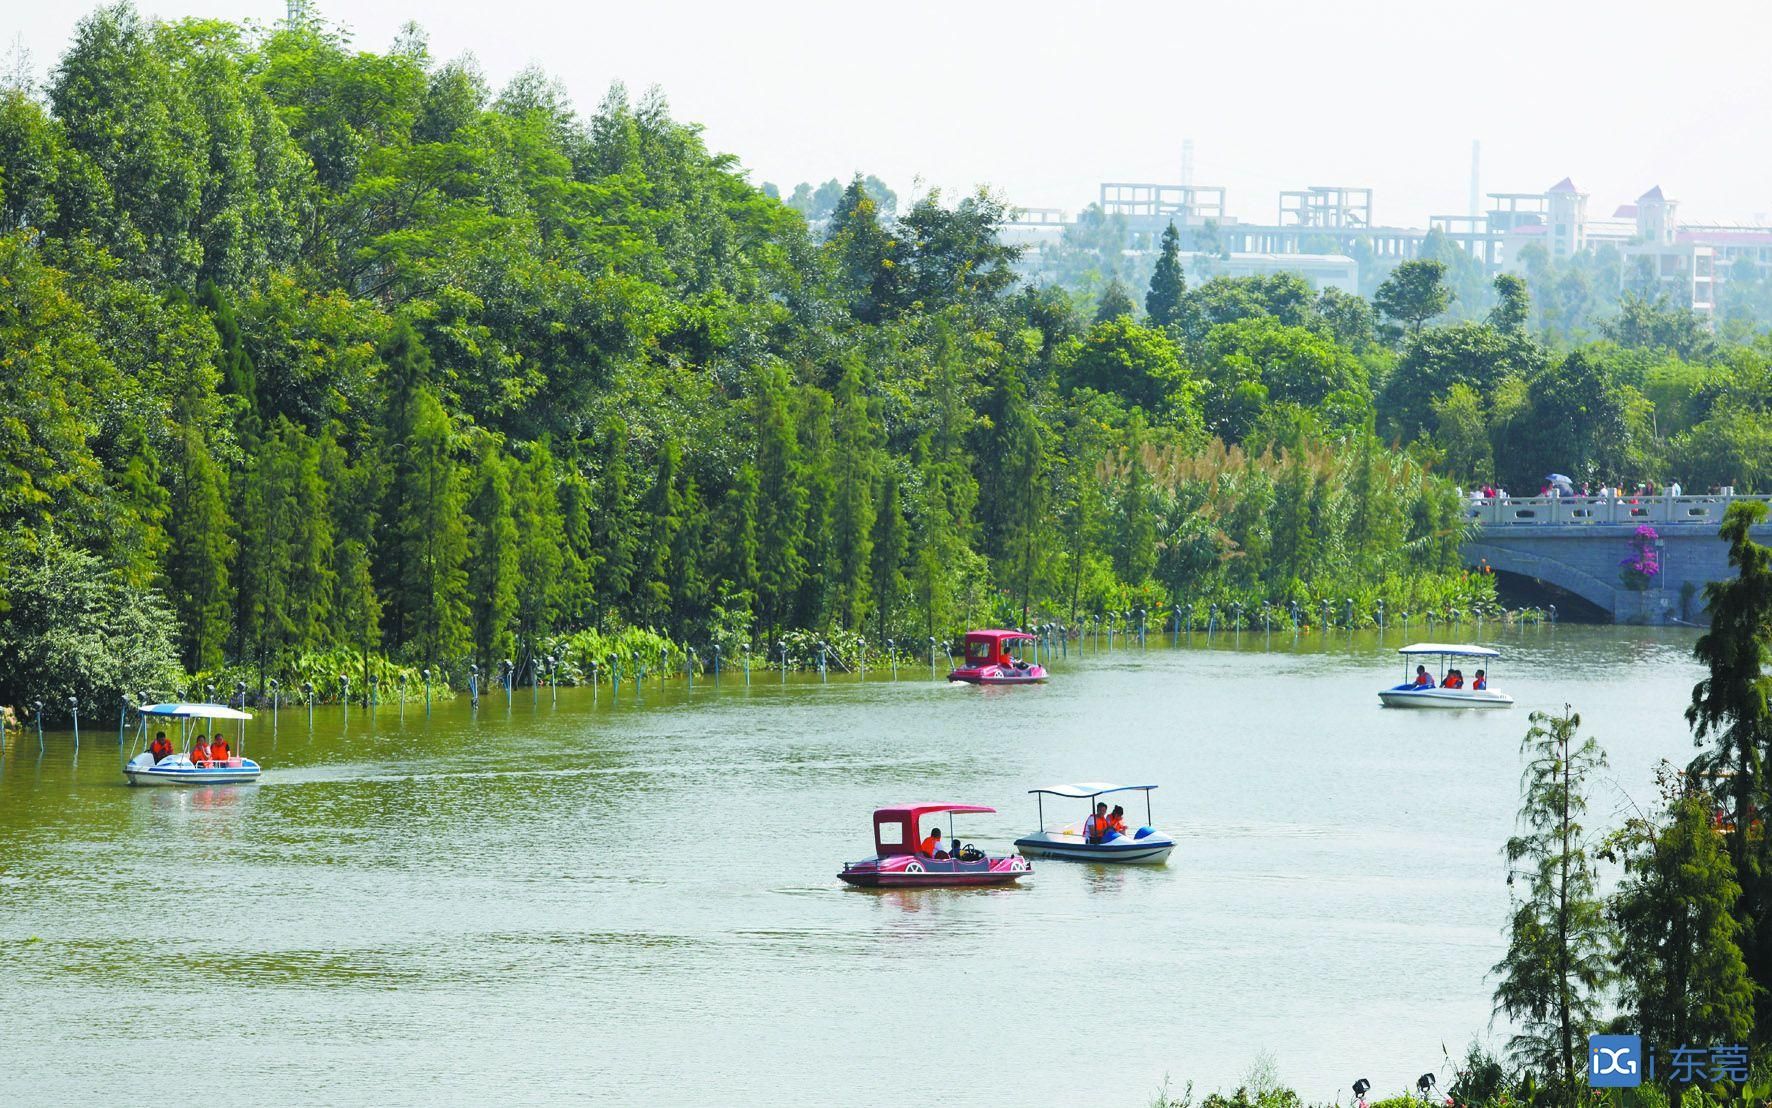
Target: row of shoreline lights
(548, 666)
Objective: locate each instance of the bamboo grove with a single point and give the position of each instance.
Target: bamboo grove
(311, 350)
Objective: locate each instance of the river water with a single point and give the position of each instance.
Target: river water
(637, 903)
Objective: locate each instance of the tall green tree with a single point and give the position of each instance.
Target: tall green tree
(1166, 299)
(1135, 545)
(1556, 970)
(865, 256)
(284, 579)
(543, 552)
(428, 594)
(578, 553)
(136, 535)
(492, 565)
(359, 606)
(855, 472)
(1116, 303)
(739, 555)
(816, 476)
(781, 500)
(890, 543)
(612, 520)
(201, 550)
(1513, 305)
(1012, 481)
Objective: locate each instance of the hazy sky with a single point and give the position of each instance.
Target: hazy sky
(1043, 100)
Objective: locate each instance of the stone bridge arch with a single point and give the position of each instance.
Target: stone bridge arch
(1512, 558)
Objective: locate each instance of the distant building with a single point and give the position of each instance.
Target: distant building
(1327, 232)
(1568, 220)
(1661, 259)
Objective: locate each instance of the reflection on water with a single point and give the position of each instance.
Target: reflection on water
(633, 898)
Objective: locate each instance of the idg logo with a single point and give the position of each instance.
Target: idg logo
(1614, 1061)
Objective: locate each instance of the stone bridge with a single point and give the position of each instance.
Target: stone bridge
(1577, 543)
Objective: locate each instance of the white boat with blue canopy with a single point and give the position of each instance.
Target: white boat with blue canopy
(1079, 842)
(175, 766)
(1422, 688)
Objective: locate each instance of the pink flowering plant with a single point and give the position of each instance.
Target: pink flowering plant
(1643, 566)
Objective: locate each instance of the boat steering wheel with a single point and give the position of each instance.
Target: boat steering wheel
(969, 853)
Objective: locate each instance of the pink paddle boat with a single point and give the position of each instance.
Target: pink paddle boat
(897, 863)
(988, 661)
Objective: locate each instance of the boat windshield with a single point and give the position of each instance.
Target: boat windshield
(981, 650)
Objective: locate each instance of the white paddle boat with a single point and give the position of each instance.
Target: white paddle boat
(1146, 846)
(175, 766)
(1422, 689)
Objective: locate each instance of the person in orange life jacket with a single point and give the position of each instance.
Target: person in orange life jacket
(1117, 820)
(200, 751)
(1096, 827)
(160, 748)
(1481, 681)
(931, 845)
(1454, 680)
(219, 749)
(1423, 680)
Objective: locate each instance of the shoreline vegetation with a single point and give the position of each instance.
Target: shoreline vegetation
(321, 360)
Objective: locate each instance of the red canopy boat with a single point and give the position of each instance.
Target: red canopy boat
(897, 864)
(988, 661)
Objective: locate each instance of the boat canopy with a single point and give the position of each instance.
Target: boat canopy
(194, 711)
(918, 811)
(999, 636)
(1086, 789)
(896, 827)
(1453, 649)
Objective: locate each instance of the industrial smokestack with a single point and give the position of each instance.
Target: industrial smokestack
(1476, 176)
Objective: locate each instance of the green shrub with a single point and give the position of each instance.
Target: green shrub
(75, 630)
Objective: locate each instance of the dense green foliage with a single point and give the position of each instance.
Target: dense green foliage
(346, 355)
(1684, 979)
(1732, 707)
(1573, 366)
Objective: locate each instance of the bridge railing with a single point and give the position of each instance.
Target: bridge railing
(1574, 511)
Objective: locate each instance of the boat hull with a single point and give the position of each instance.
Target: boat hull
(908, 871)
(999, 675)
(1439, 698)
(1152, 850)
(178, 771)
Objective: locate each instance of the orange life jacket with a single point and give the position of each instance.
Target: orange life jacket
(1095, 828)
(200, 754)
(1115, 823)
(1480, 683)
(930, 845)
(220, 751)
(1424, 681)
